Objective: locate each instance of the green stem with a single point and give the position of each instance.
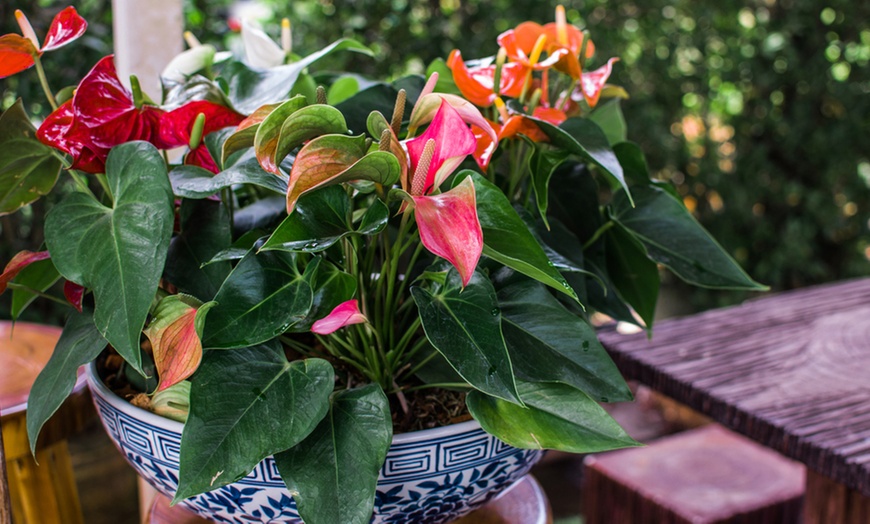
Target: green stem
(598, 232)
(104, 183)
(44, 82)
(81, 183)
(463, 385)
(13, 285)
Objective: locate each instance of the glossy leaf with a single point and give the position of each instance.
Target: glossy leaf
(246, 131)
(245, 405)
(610, 119)
(507, 240)
(38, 276)
(547, 343)
(556, 416)
(544, 161)
(28, 169)
(343, 88)
(250, 89)
(174, 333)
(632, 161)
(262, 297)
(119, 251)
(268, 131)
(240, 247)
(634, 275)
(321, 219)
(476, 350)
(205, 231)
(305, 124)
(331, 287)
(449, 227)
(673, 238)
(582, 137)
(79, 344)
(333, 473)
(196, 182)
(332, 159)
(197, 87)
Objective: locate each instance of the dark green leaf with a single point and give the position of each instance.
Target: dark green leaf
(633, 162)
(245, 405)
(28, 169)
(197, 87)
(609, 118)
(321, 218)
(79, 344)
(445, 82)
(38, 276)
(265, 213)
(205, 231)
(507, 239)
(574, 200)
(672, 237)
(635, 276)
(250, 89)
(331, 287)
(333, 473)
(556, 417)
(544, 161)
(356, 109)
(547, 343)
(464, 325)
(262, 298)
(195, 182)
(239, 248)
(117, 251)
(582, 137)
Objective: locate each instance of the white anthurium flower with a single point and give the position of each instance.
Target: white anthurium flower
(261, 52)
(189, 62)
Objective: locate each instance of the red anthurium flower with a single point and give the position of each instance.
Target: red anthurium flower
(592, 83)
(515, 124)
(477, 83)
(342, 315)
(449, 227)
(176, 127)
(19, 262)
(74, 293)
(453, 142)
(60, 131)
(17, 52)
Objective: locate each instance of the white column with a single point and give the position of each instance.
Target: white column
(147, 35)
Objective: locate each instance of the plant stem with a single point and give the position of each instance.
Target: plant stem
(463, 385)
(44, 82)
(13, 285)
(598, 232)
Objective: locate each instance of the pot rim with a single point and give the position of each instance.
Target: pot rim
(96, 384)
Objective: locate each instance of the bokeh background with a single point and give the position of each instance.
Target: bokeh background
(757, 111)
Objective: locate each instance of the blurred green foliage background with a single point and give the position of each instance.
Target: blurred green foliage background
(758, 111)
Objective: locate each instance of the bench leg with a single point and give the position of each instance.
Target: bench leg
(829, 502)
(44, 493)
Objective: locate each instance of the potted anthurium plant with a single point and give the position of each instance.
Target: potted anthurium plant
(335, 265)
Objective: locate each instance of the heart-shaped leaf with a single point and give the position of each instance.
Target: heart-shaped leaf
(321, 219)
(609, 118)
(263, 296)
(582, 137)
(331, 287)
(673, 237)
(266, 136)
(28, 169)
(506, 238)
(117, 251)
(79, 344)
(245, 405)
(556, 416)
(476, 350)
(196, 182)
(547, 343)
(333, 473)
(205, 231)
(243, 136)
(305, 124)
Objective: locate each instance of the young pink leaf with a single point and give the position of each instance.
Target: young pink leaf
(21, 260)
(449, 227)
(592, 83)
(453, 142)
(66, 27)
(74, 293)
(175, 334)
(344, 314)
(320, 162)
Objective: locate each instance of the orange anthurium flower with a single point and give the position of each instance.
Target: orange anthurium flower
(592, 83)
(17, 52)
(560, 36)
(519, 53)
(477, 83)
(513, 126)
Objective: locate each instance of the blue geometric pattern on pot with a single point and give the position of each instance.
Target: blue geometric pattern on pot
(424, 480)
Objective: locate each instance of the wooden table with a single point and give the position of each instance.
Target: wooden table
(791, 371)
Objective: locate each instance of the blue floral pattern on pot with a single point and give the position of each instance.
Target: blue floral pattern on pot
(429, 477)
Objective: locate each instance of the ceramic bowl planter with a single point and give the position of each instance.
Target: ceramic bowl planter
(431, 476)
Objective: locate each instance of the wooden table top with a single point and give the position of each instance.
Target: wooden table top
(24, 350)
(791, 371)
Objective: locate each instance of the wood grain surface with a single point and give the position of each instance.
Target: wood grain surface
(789, 371)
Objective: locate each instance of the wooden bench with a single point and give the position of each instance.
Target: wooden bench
(790, 371)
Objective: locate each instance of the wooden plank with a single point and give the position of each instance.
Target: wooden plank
(788, 371)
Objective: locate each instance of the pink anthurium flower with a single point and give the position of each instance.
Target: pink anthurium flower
(453, 142)
(449, 227)
(175, 338)
(21, 260)
(593, 82)
(342, 315)
(17, 52)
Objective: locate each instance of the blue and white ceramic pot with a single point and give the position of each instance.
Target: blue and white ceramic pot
(430, 477)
